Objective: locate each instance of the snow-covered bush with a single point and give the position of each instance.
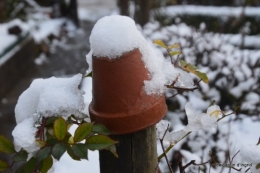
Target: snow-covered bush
(233, 80)
(47, 109)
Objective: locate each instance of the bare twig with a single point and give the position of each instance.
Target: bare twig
(161, 141)
(173, 95)
(172, 145)
(181, 89)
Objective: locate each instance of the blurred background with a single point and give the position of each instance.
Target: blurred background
(40, 39)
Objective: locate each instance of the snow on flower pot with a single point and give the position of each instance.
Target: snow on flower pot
(119, 99)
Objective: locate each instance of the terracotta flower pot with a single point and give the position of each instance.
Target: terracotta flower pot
(119, 100)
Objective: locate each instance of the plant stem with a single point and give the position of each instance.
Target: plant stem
(172, 145)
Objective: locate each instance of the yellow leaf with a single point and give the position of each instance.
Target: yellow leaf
(202, 76)
(41, 143)
(175, 53)
(193, 69)
(71, 140)
(176, 45)
(160, 43)
(215, 113)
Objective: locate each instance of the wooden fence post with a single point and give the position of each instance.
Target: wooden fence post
(137, 153)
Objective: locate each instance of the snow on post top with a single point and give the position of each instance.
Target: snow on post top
(114, 35)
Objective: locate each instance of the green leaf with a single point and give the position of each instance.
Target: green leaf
(50, 121)
(90, 74)
(21, 169)
(71, 153)
(58, 150)
(82, 131)
(60, 128)
(3, 165)
(160, 43)
(99, 142)
(43, 153)
(67, 137)
(30, 165)
(257, 166)
(52, 141)
(9, 170)
(49, 134)
(20, 156)
(188, 67)
(100, 129)
(80, 150)
(112, 149)
(202, 76)
(183, 63)
(6, 146)
(47, 164)
(175, 53)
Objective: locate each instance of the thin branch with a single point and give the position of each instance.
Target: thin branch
(161, 141)
(172, 145)
(197, 83)
(226, 115)
(172, 96)
(235, 155)
(181, 89)
(176, 61)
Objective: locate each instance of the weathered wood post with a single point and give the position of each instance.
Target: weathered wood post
(123, 106)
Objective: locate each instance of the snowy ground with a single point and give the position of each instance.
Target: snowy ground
(231, 70)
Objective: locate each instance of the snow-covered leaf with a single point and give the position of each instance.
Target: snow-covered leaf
(161, 128)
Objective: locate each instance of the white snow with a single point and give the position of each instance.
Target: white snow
(24, 136)
(184, 79)
(250, 154)
(203, 120)
(90, 10)
(86, 86)
(161, 128)
(7, 39)
(51, 97)
(41, 59)
(45, 28)
(209, 10)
